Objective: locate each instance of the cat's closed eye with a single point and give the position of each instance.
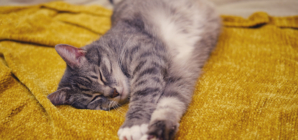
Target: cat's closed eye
(94, 77)
(96, 97)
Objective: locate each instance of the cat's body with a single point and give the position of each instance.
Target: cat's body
(152, 56)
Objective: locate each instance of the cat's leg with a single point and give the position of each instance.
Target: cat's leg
(137, 119)
(170, 108)
(147, 85)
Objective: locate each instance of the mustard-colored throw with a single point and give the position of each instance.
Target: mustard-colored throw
(248, 90)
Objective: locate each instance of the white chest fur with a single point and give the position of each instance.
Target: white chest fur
(180, 30)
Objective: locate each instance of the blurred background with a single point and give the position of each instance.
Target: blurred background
(242, 8)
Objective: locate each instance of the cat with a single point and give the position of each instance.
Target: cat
(151, 57)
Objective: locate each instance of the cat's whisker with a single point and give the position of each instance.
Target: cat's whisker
(113, 104)
(110, 105)
(116, 107)
(120, 110)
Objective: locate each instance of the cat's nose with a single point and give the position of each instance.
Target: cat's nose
(115, 94)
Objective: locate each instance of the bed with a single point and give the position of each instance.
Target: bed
(248, 88)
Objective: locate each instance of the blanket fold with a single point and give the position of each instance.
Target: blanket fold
(248, 89)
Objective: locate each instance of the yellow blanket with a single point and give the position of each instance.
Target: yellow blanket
(249, 88)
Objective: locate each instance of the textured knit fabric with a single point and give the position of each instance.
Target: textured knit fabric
(248, 89)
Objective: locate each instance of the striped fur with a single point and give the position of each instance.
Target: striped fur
(152, 57)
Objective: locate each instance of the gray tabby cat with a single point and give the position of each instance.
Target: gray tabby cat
(152, 57)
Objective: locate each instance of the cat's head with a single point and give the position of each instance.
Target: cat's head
(92, 80)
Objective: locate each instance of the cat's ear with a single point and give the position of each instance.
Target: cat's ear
(74, 57)
(59, 97)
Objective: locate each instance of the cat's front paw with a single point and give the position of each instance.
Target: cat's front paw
(134, 132)
(162, 130)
